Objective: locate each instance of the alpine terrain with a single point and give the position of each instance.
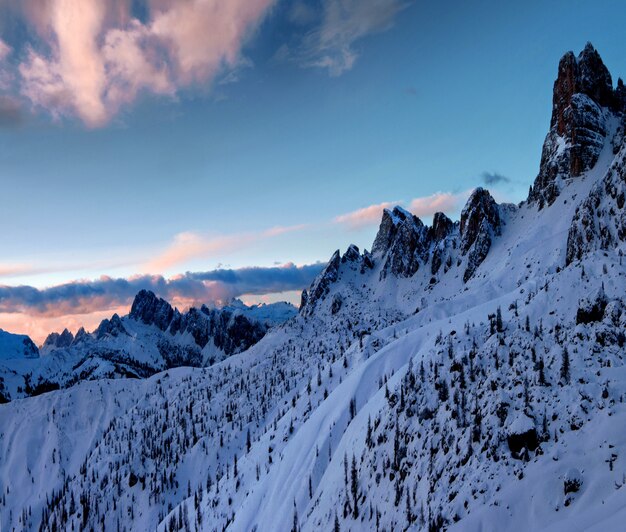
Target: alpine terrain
(469, 375)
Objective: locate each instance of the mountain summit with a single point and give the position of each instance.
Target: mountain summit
(584, 107)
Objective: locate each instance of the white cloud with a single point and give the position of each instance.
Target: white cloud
(344, 23)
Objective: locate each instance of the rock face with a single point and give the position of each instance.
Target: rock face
(55, 340)
(582, 100)
(230, 331)
(480, 222)
(600, 221)
(388, 229)
(404, 242)
(442, 226)
(321, 285)
(151, 310)
(113, 327)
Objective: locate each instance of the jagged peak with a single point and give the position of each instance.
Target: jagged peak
(442, 226)
(399, 214)
(390, 223)
(352, 254)
(583, 92)
(479, 205)
(151, 310)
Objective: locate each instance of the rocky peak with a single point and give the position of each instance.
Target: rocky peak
(352, 254)
(151, 310)
(81, 336)
(389, 225)
(112, 327)
(594, 78)
(442, 226)
(56, 340)
(480, 211)
(480, 222)
(409, 246)
(321, 284)
(582, 91)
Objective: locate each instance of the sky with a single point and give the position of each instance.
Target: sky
(208, 149)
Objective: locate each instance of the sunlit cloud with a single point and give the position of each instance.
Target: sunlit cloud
(446, 202)
(89, 58)
(423, 207)
(188, 246)
(364, 217)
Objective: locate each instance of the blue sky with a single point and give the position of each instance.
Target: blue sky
(250, 162)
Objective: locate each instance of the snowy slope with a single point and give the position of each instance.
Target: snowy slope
(16, 346)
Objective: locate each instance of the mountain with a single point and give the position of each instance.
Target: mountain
(153, 337)
(462, 376)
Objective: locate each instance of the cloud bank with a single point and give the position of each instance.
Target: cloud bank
(191, 288)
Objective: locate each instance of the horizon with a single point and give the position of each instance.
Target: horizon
(239, 165)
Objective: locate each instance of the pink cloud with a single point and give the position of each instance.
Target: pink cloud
(422, 207)
(363, 217)
(188, 246)
(97, 58)
(438, 202)
(5, 50)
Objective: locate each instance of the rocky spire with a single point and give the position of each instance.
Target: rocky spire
(480, 222)
(321, 284)
(151, 310)
(56, 340)
(389, 225)
(582, 91)
(442, 226)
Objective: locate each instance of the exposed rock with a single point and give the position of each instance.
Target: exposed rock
(321, 284)
(480, 222)
(572, 481)
(441, 230)
(112, 327)
(336, 303)
(403, 240)
(590, 311)
(151, 310)
(304, 299)
(368, 261)
(55, 340)
(600, 220)
(480, 209)
(81, 336)
(522, 436)
(442, 226)
(387, 229)
(578, 127)
(352, 254)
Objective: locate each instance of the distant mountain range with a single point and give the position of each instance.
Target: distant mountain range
(153, 337)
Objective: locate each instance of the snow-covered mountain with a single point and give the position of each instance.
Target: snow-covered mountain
(153, 337)
(464, 376)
